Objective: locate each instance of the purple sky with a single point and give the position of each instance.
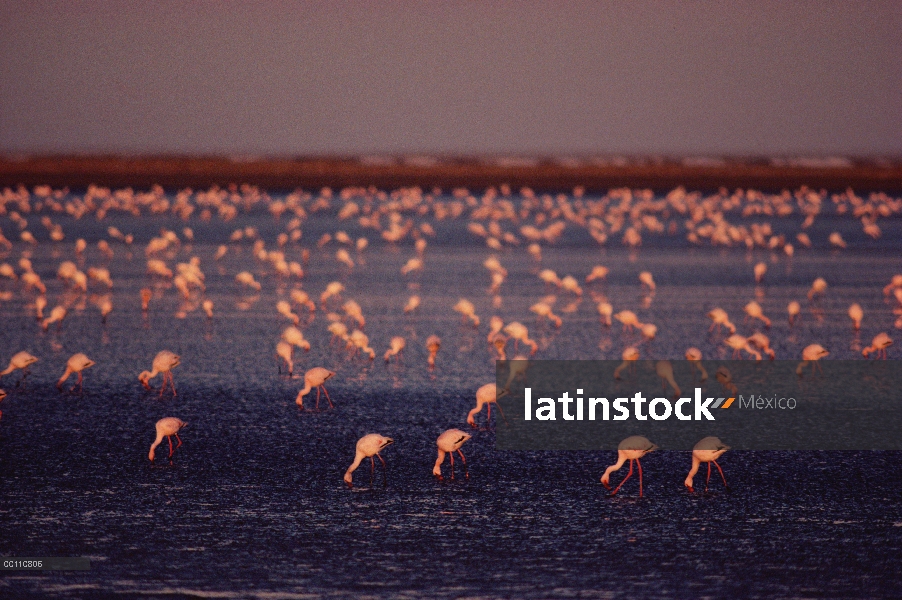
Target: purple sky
(289, 78)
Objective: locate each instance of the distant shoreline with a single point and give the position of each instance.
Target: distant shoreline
(387, 173)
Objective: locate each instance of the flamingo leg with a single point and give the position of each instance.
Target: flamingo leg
(639, 464)
(498, 404)
(326, 392)
(384, 470)
(163, 387)
(169, 439)
(172, 383)
(372, 470)
(466, 468)
(451, 456)
(488, 419)
(628, 475)
(708, 478)
(317, 399)
(721, 475)
(180, 441)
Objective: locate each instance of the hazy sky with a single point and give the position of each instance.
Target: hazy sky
(289, 78)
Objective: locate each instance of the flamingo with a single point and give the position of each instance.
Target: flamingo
(433, 343)
(737, 343)
(20, 360)
(725, 378)
(368, 446)
(397, 344)
(516, 367)
(76, 364)
(163, 363)
(694, 356)
(664, 369)
(879, 344)
(543, 309)
(754, 310)
(793, 308)
(412, 304)
(818, 287)
(629, 319)
(448, 443)
(605, 310)
(487, 394)
(811, 354)
(56, 316)
(719, 317)
(856, 314)
(632, 448)
(760, 270)
(707, 450)
(315, 378)
(762, 342)
(520, 333)
(647, 280)
(598, 272)
(466, 308)
(630, 355)
(285, 351)
(167, 427)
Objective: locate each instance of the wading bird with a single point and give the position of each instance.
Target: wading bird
(367, 447)
(879, 344)
(707, 450)
(76, 364)
(20, 360)
(486, 395)
(167, 427)
(315, 378)
(632, 449)
(163, 363)
(449, 443)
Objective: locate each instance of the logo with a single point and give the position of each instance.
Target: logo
(592, 409)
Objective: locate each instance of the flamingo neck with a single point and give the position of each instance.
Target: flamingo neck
(437, 469)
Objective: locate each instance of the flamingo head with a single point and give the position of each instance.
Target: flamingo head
(689, 487)
(144, 377)
(348, 480)
(471, 422)
(605, 481)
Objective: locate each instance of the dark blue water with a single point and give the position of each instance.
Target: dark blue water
(253, 504)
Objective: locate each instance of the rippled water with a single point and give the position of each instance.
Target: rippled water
(253, 505)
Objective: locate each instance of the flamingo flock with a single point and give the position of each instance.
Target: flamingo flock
(502, 223)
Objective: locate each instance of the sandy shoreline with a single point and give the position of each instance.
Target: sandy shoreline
(447, 173)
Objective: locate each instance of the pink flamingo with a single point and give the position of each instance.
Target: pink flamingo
(708, 450)
(448, 443)
(879, 344)
(368, 446)
(486, 395)
(163, 363)
(167, 427)
(315, 378)
(632, 448)
(76, 364)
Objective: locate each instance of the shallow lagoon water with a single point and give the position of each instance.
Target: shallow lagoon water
(253, 505)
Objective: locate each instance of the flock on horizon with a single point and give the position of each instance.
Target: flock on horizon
(498, 219)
